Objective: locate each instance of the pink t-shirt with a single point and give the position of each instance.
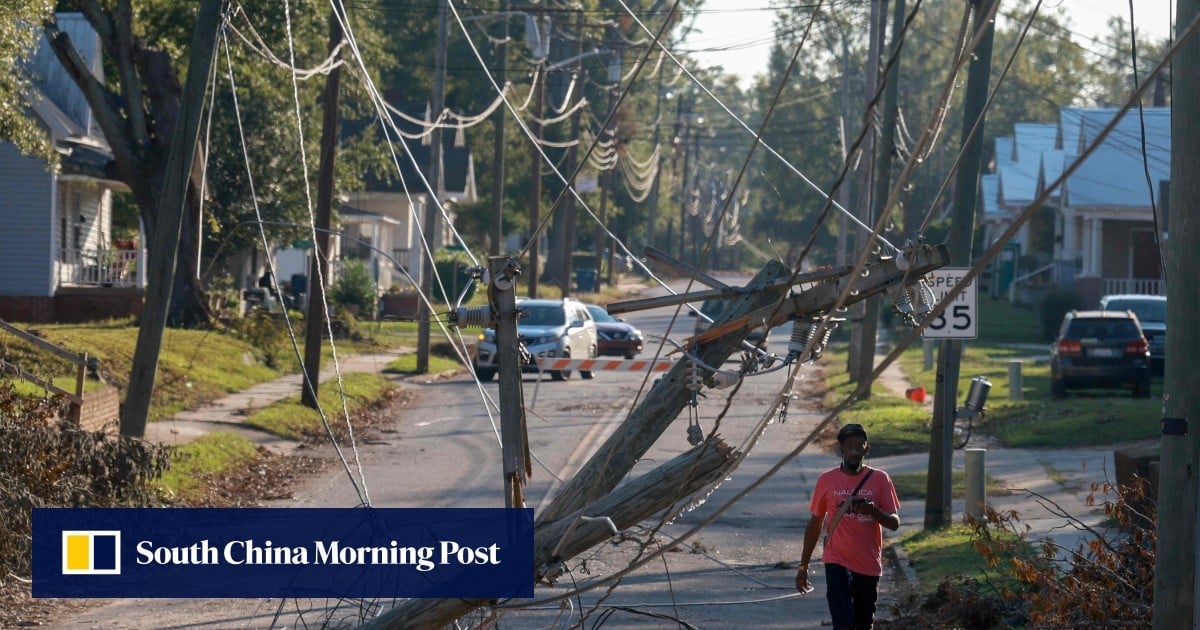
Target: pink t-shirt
(857, 541)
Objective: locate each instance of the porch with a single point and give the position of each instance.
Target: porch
(101, 268)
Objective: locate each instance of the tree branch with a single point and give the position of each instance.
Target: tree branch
(102, 100)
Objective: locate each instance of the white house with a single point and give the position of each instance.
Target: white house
(1099, 232)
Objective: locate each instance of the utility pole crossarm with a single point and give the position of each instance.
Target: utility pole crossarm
(821, 298)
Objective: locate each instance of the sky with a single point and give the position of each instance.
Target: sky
(740, 32)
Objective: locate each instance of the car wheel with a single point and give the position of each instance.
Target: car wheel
(1057, 389)
(1142, 390)
(485, 374)
(629, 356)
(562, 375)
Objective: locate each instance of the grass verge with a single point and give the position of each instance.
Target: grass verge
(1087, 418)
(290, 419)
(912, 486)
(951, 553)
(407, 364)
(204, 457)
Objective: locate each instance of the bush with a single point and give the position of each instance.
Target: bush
(1053, 307)
(355, 288)
(267, 334)
(56, 464)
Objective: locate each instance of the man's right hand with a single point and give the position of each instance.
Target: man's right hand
(802, 584)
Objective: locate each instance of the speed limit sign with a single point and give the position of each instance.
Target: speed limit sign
(961, 317)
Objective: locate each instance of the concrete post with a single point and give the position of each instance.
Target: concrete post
(976, 482)
(1015, 381)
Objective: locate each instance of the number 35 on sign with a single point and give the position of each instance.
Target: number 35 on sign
(959, 319)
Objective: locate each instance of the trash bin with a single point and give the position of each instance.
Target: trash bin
(585, 280)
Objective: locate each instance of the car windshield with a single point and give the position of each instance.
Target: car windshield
(1102, 329)
(1146, 310)
(601, 315)
(542, 316)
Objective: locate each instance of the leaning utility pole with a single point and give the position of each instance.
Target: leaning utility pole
(535, 183)
(1175, 585)
(878, 27)
(431, 227)
(884, 154)
(314, 319)
(958, 243)
(514, 436)
(569, 205)
(498, 141)
(160, 274)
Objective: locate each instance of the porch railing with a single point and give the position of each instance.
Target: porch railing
(100, 267)
(1135, 286)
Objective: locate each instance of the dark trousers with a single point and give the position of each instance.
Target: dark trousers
(851, 597)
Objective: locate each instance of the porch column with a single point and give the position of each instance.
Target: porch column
(1069, 245)
(1095, 239)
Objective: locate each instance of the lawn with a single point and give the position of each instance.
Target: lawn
(195, 366)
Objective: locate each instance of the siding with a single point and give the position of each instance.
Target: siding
(26, 212)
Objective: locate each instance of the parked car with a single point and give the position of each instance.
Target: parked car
(1151, 311)
(1100, 349)
(617, 338)
(547, 328)
(713, 308)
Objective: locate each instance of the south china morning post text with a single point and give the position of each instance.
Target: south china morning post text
(296, 552)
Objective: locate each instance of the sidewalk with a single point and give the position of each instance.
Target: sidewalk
(228, 414)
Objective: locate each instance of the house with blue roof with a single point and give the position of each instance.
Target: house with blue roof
(1100, 229)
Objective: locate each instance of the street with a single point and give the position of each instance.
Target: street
(444, 451)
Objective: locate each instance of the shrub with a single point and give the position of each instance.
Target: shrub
(267, 334)
(355, 287)
(48, 463)
(1053, 307)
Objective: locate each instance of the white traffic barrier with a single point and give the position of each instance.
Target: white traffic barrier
(594, 365)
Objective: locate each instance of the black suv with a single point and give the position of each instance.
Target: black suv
(1100, 349)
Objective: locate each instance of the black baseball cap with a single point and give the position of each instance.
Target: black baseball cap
(851, 429)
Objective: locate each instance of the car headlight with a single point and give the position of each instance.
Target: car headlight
(546, 339)
(488, 336)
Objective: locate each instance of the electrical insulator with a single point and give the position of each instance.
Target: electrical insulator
(464, 317)
(721, 380)
(801, 333)
(695, 435)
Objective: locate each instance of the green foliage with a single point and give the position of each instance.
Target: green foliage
(267, 334)
(1053, 307)
(48, 463)
(355, 287)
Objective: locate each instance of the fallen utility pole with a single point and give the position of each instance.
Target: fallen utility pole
(591, 506)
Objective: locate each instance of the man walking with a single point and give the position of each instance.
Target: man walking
(857, 501)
